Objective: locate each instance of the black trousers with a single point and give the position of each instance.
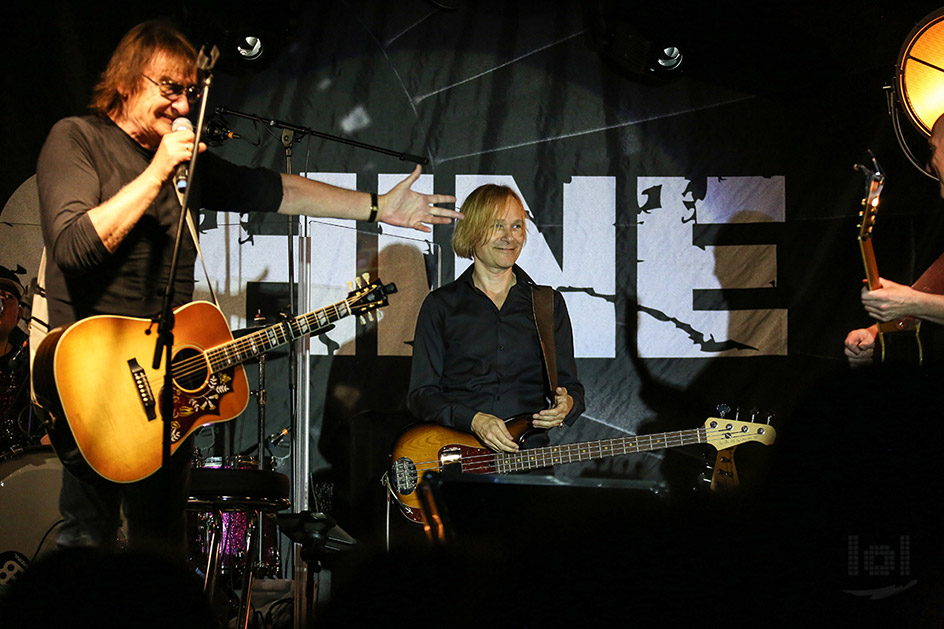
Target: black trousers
(154, 508)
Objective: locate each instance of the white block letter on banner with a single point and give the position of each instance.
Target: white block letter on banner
(670, 267)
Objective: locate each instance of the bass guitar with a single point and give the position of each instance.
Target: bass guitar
(431, 447)
(95, 381)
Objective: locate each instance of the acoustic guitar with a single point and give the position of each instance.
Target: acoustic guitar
(431, 447)
(95, 380)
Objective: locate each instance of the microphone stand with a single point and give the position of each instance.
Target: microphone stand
(165, 321)
(291, 133)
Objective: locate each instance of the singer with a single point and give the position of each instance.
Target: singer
(109, 211)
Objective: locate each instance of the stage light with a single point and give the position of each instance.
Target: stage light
(670, 59)
(919, 80)
(645, 50)
(920, 72)
(250, 48)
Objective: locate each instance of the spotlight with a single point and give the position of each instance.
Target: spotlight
(920, 72)
(669, 59)
(644, 51)
(249, 47)
(919, 81)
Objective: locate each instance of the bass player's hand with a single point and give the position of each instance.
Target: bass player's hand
(492, 432)
(554, 416)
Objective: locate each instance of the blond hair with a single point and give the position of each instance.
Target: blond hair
(144, 42)
(480, 209)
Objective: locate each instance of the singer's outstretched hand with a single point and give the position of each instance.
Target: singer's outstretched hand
(407, 208)
(401, 206)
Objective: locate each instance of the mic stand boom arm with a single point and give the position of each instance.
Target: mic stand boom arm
(302, 131)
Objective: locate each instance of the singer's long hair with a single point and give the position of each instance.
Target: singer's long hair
(480, 209)
(155, 39)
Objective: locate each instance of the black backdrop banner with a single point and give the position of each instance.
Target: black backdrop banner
(701, 225)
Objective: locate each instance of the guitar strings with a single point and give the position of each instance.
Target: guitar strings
(490, 462)
(204, 361)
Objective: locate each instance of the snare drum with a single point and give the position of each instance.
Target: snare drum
(29, 508)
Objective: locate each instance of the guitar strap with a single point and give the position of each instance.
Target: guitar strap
(196, 243)
(932, 280)
(542, 303)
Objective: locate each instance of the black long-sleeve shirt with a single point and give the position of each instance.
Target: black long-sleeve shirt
(469, 356)
(86, 161)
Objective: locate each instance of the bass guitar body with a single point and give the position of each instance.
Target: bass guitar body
(427, 446)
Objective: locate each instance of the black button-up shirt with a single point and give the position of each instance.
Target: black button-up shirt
(469, 356)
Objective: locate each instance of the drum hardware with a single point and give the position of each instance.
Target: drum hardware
(247, 495)
(230, 528)
(261, 397)
(231, 502)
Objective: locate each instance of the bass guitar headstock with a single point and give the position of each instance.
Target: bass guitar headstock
(724, 475)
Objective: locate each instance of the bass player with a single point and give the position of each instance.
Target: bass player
(477, 356)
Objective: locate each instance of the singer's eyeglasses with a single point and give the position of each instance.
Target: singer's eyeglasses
(172, 91)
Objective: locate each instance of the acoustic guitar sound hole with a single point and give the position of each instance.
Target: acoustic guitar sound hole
(190, 369)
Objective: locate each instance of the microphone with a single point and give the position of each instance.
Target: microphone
(216, 132)
(180, 177)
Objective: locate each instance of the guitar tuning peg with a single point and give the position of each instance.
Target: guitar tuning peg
(366, 277)
(350, 286)
(754, 413)
(723, 409)
(358, 282)
(770, 417)
(379, 314)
